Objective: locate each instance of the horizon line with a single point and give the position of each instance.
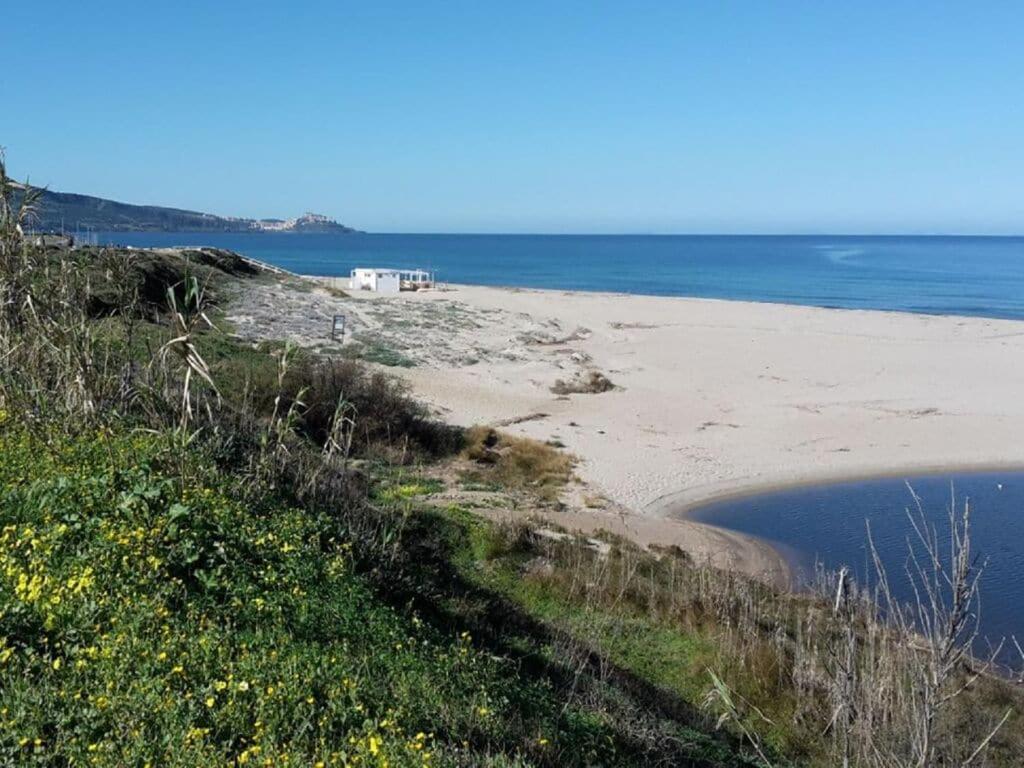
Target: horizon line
(440, 233)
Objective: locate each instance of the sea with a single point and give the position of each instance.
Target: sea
(970, 276)
(977, 276)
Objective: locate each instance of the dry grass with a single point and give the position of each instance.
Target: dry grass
(517, 462)
(594, 382)
(790, 674)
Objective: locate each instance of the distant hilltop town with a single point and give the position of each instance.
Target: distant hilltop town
(68, 212)
(307, 222)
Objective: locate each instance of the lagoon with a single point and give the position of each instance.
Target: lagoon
(827, 524)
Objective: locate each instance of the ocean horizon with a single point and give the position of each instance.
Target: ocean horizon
(972, 275)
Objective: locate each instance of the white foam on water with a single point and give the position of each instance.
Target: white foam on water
(843, 256)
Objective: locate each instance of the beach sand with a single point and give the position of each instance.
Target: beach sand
(711, 398)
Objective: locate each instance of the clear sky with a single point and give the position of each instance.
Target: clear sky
(530, 117)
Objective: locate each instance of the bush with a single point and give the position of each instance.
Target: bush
(593, 383)
(517, 462)
(388, 420)
(116, 273)
(385, 415)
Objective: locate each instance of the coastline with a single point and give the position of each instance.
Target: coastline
(679, 505)
(712, 398)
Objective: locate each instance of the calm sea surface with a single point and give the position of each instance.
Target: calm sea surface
(828, 524)
(943, 275)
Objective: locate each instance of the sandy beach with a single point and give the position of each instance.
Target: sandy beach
(710, 398)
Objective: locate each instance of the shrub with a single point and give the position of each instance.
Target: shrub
(115, 273)
(594, 382)
(517, 462)
(385, 415)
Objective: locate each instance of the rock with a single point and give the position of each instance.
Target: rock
(538, 567)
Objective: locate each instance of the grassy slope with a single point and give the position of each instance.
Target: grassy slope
(640, 665)
(151, 619)
(618, 623)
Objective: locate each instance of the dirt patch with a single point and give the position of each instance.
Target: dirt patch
(394, 331)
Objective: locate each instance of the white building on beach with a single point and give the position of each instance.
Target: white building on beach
(385, 280)
(377, 280)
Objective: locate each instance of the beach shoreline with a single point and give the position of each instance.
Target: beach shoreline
(707, 398)
(682, 503)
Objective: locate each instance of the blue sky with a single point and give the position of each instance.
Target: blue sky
(530, 117)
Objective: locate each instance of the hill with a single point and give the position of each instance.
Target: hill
(69, 212)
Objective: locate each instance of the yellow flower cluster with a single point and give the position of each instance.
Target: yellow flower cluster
(24, 556)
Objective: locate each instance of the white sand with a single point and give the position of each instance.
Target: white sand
(717, 397)
(713, 397)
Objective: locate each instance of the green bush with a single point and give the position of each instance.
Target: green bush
(385, 415)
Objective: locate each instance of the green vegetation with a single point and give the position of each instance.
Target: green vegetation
(371, 348)
(152, 619)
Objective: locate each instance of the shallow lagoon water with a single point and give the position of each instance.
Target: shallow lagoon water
(828, 524)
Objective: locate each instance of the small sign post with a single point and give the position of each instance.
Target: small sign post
(338, 328)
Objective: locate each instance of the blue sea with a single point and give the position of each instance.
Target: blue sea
(981, 276)
(828, 525)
